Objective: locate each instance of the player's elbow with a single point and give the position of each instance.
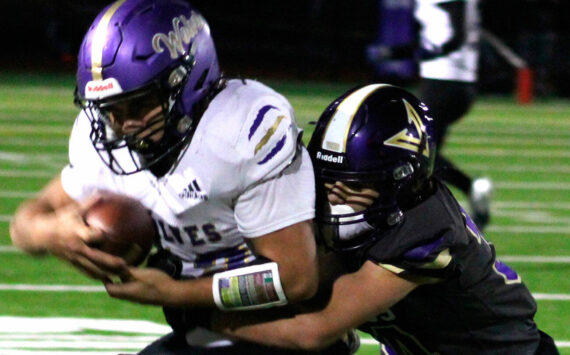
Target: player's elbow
(315, 339)
(302, 287)
(20, 241)
(20, 231)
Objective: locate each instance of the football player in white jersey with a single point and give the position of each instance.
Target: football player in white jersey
(448, 54)
(218, 162)
(449, 43)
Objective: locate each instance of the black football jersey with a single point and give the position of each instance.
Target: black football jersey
(474, 304)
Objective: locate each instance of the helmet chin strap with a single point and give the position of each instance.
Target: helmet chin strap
(351, 230)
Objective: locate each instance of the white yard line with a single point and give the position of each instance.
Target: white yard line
(534, 185)
(498, 152)
(551, 296)
(529, 229)
(85, 345)
(54, 352)
(39, 174)
(17, 157)
(524, 205)
(464, 139)
(370, 341)
(51, 288)
(526, 168)
(518, 131)
(63, 129)
(37, 142)
(536, 216)
(64, 325)
(17, 194)
(535, 259)
(71, 337)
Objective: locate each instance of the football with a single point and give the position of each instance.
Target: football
(127, 225)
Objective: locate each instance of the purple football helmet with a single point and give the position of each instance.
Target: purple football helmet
(141, 58)
(378, 137)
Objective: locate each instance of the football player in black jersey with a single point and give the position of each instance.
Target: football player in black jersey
(420, 277)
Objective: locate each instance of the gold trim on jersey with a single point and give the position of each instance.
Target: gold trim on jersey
(477, 236)
(100, 39)
(441, 261)
(518, 280)
(270, 132)
(412, 277)
(396, 270)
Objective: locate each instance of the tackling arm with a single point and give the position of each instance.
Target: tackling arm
(356, 298)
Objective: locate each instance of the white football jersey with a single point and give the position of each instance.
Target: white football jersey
(243, 175)
(436, 29)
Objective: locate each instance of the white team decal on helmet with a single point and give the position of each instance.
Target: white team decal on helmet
(184, 31)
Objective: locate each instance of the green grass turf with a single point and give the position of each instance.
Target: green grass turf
(524, 146)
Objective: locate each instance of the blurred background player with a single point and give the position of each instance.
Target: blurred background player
(447, 50)
(218, 162)
(421, 278)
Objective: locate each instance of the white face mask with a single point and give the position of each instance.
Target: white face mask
(349, 231)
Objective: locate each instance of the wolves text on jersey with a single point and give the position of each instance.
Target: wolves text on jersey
(196, 235)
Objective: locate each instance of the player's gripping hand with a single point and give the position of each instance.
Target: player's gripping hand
(70, 238)
(146, 286)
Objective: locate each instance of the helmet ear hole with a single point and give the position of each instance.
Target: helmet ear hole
(200, 81)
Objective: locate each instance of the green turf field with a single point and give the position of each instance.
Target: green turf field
(524, 149)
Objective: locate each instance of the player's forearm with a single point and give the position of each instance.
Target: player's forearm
(192, 293)
(306, 332)
(29, 229)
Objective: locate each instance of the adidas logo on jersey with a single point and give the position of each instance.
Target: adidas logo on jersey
(193, 191)
(337, 159)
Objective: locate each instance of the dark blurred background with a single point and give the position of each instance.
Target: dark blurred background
(302, 39)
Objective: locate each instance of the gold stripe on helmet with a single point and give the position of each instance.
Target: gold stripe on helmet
(99, 40)
(336, 133)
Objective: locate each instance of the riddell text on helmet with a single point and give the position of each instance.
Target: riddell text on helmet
(337, 159)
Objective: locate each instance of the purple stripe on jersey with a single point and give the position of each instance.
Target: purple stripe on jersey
(423, 251)
(274, 151)
(258, 119)
(504, 269)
